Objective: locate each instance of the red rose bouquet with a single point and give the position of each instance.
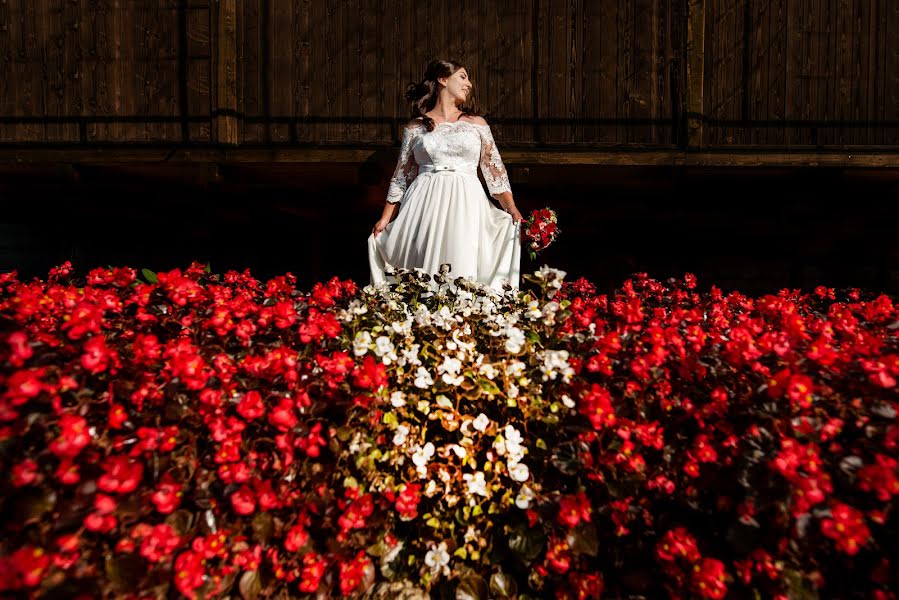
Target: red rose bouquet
(540, 231)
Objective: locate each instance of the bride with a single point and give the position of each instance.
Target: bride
(446, 217)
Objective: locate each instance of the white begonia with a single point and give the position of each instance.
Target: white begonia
(450, 367)
(421, 457)
(519, 472)
(459, 450)
(423, 379)
(399, 438)
(499, 444)
(524, 497)
(534, 311)
(515, 340)
(476, 484)
(488, 371)
(361, 343)
(481, 423)
(409, 355)
(403, 328)
(555, 362)
(358, 308)
(398, 399)
(549, 312)
(567, 401)
(437, 559)
(554, 276)
(512, 391)
(422, 316)
(383, 345)
(515, 368)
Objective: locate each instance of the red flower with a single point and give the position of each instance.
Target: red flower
(97, 356)
(73, 437)
(20, 349)
(370, 375)
(709, 579)
(282, 416)
(574, 509)
(250, 406)
(312, 443)
(122, 475)
(243, 501)
(189, 572)
(117, 416)
(353, 573)
(847, 528)
(313, 570)
(160, 543)
(558, 556)
(677, 543)
(880, 477)
(407, 501)
(596, 405)
(167, 496)
(356, 514)
(28, 565)
(296, 538)
(25, 473)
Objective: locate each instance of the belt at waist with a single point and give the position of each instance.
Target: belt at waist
(447, 168)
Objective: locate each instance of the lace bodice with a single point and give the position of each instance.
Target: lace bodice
(456, 144)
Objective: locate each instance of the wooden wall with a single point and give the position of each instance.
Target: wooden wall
(801, 72)
(775, 74)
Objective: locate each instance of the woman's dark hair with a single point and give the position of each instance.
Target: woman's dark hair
(423, 95)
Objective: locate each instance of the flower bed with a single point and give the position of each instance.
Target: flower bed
(228, 436)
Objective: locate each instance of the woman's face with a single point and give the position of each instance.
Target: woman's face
(458, 86)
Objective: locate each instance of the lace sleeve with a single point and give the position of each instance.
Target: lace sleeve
(406, 168)
(492, 166)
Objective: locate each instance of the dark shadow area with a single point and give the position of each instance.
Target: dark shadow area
(747, 229)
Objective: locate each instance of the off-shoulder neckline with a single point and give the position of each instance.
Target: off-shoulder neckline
(421, 123)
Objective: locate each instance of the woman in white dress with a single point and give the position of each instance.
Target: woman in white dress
(445, 216)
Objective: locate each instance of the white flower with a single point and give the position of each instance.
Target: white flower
(488, 371)
(399, 438)
(421, 457)
(423, 378)
(383, 345)
(450, 369)
(459, 450)
(555, 362)
(361, 343)
(512, 391)
(481, 422)
(519, 472)
(438, 559)
(533, 311)
(476, 483)
(567, 401)
(525, 495)
(515, 340)
(499, 444)
(515, 369)
(410, 355)
(397, 399)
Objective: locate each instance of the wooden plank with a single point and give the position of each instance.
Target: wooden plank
(514, 157)
(301, 74)
(845, 75)
(279, 82)
(595, 77)
(224, 48)
(891, 104)
(7, 70)
(371, 94)
(249, 100)
(778, 67)
(696, 28)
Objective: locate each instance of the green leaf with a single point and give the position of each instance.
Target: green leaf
(150, 276)
(472, 587)
(124, 571)
(250, 586)
(502, 586)
(181, 521)
(263, 527)
(208, 268)
(488, 386)
(584, 539)
(526, 542)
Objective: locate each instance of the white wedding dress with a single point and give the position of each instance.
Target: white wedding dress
(445, 216)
